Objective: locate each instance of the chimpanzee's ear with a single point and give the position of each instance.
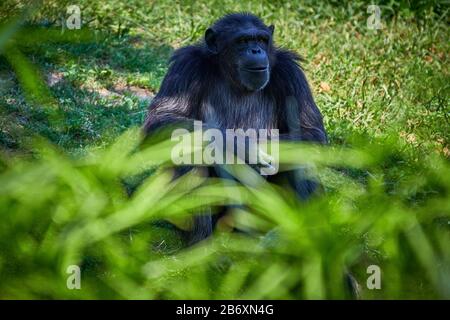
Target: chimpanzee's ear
(272, 28)
(211, 40)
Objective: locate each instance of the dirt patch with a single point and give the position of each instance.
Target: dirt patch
(141, 93)
(54, 78)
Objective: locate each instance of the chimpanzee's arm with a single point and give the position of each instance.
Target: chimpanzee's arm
(299, 119)
(179, 97)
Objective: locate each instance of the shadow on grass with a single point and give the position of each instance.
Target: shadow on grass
(101, 88)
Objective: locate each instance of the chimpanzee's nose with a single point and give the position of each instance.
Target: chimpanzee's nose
(256, 50)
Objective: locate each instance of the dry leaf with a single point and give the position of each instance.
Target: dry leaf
(325, 87)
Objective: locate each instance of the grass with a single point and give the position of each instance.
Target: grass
(67, 152)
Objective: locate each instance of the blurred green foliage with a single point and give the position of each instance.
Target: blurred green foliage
(58, 212)
(69, 112)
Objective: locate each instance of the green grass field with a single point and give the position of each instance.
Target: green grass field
(72, 102)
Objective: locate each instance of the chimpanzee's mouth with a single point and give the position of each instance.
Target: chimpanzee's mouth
(255, 69)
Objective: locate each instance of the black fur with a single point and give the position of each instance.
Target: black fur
(201, 84)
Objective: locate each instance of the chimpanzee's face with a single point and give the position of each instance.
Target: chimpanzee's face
(244, 55)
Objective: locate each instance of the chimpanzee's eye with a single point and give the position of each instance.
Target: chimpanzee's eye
(246, 39)
(263, 39)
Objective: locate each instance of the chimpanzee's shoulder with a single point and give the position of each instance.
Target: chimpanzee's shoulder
(193, 56)
(286, 61)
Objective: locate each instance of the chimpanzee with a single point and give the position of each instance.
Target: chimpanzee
(236, 78)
